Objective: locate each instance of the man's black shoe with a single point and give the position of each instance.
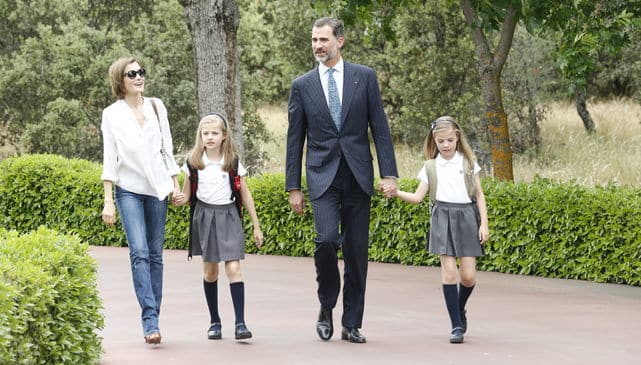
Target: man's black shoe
(324, 326)
(352, 335)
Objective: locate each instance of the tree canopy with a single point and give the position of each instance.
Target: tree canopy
(55, 56)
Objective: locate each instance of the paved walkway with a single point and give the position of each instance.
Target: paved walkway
(512, 319)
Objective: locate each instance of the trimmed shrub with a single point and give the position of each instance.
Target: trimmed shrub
(49, 304)
(544, 228)
(564, 231)
(62, 194)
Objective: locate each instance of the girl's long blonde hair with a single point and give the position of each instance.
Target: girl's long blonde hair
(443, 124)
(227, 148)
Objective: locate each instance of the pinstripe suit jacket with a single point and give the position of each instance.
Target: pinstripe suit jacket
(310, 119)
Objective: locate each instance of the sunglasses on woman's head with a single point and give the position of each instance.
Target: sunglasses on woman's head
(132, 73)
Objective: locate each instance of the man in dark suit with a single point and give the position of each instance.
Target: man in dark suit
(333, 106)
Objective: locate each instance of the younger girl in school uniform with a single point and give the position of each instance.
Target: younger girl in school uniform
(458, 225)
(216, 229)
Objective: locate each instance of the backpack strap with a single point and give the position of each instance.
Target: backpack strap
(234, 183)
(470, 182)
(430, 168)
(193, 184)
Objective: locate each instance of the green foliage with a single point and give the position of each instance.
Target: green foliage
(422, 85)
(65, 120)
(544, 228)
(262, 78)
(49, 303)
(286, 233)
(587, 31)
(59, 50)
(620, 75)
(163, 43)
(274, 37)
(54, 82)
(527, 79)
(255, 135)
(564, 231)
(62, 194)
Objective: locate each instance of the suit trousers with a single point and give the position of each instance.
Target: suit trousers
(341, 220)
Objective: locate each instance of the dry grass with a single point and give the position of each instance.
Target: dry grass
(611, 155)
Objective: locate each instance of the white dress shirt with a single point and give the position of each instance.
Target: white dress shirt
(213, 182)
(450, 179)
(338, 77)
(132, 157)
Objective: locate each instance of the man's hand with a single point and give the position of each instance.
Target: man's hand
(388, 187)
(297, 201)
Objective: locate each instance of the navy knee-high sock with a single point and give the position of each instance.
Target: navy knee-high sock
(450, 292)
(211, 294)
(464, 293)
(238, 297)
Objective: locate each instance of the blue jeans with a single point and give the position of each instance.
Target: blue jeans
(143, 220)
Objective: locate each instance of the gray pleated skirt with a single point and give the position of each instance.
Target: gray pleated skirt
(454, 230)
(217, 233)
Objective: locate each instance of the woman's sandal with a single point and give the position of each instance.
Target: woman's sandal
(153, 338)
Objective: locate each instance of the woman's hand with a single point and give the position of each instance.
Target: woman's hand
(109, 213)
(178, 199)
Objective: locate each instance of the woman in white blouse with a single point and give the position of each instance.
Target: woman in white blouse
(138, 159)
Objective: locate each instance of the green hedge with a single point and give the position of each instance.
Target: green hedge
(544, 228)
(49, 304)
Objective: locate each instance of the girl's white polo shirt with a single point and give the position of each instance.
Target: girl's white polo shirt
(450, 179)
(213, 182)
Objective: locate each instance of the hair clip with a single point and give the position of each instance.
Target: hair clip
(432, 125)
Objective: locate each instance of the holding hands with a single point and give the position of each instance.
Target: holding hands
(178, 199)
(388, 187)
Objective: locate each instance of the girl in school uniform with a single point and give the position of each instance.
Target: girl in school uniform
(458, 225)
(216, 229)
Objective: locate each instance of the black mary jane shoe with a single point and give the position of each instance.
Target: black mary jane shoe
(242, 333)
(457, 335)
(215, 331)
(352, 335)
(325, 325)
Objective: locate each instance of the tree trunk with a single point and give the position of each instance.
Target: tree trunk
(213, 25)
(582, 109)
(490, 64)
(497, 127)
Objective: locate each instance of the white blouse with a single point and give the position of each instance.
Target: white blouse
(450, 179)
(132, 157)
(213, 182)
